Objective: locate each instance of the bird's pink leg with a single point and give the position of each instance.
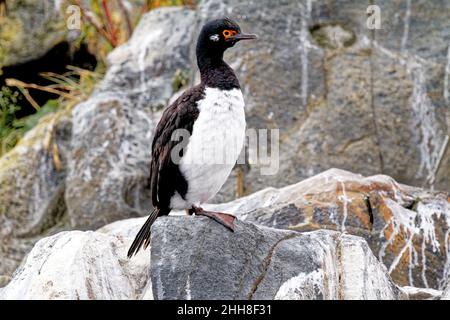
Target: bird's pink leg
(225, 219)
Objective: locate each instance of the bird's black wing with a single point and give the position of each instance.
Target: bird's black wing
(165, 176)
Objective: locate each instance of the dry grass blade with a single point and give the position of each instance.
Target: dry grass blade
(100, 29)
(19, 84)
(56, 157)
(127, 17)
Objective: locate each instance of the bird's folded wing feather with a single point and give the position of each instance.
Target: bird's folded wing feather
(165, 176)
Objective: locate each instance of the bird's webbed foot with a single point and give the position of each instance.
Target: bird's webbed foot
(225, 219)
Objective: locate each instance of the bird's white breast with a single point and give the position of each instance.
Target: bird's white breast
(214, 146)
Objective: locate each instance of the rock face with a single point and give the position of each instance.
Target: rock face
(446, 293)
(110, 159)
(102, 149)
(345, 96)
(197, 259)
(253, 263)
(407, 228)
(80, 265)
(366, 256)
(368, 101)
(32, 189)
(29, 30)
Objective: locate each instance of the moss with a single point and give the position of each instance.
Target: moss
(10, 38)
(13, 158)
(321, 35)
(180, 80)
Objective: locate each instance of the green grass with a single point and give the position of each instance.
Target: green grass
(11, 128)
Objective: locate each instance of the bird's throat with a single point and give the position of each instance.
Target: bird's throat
(215, 72)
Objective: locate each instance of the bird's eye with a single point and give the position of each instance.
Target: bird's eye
(228, 33)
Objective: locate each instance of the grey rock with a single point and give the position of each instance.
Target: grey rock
(422, 293)
(80, 265)
(112, 131)
(406, 228)
(29, 30)
(342, 95)
(32, 189)
(196, 258)
(143, 69)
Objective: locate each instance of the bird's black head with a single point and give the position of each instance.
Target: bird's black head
(218, 35)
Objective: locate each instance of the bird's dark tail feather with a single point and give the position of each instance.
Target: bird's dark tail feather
(143, 236)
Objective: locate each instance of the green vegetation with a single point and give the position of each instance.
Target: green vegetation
(180, 80)
(10, 129)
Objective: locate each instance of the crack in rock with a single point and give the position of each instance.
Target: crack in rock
(266, 263)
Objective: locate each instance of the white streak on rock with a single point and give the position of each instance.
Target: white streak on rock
(406, 26)
(188, 288)
(302, 287)
(423, 111)
(305, 45)
(345, 201)
(447, 76)
(416, 225)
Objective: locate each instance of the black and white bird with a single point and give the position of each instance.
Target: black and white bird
(212, 116)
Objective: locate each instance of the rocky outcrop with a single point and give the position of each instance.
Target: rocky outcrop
(32, 189)
(342, 95)
(90, 168)
(110, 160)
(210, 263)
(198, 259)
(79, 265)
(407, 228)
(30, 29)
(369, 101)
(366, 256)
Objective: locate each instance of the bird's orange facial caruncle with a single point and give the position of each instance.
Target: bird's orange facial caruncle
(227, 34)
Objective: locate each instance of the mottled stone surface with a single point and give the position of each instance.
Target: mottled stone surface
(195, 258)
(342, 95)
(112, 131)
(446, 293)
(29, 29)
(32, 189)
(80, 265)
(407, 228)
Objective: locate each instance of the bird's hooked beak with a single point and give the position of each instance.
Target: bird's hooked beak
(242, 36)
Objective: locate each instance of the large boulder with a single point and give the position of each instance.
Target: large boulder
(210, 263)
(30, 29)
(198, 259)
(32, 189)
(342, 95)
(407, 228)
(110, 160)
(80, 265)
